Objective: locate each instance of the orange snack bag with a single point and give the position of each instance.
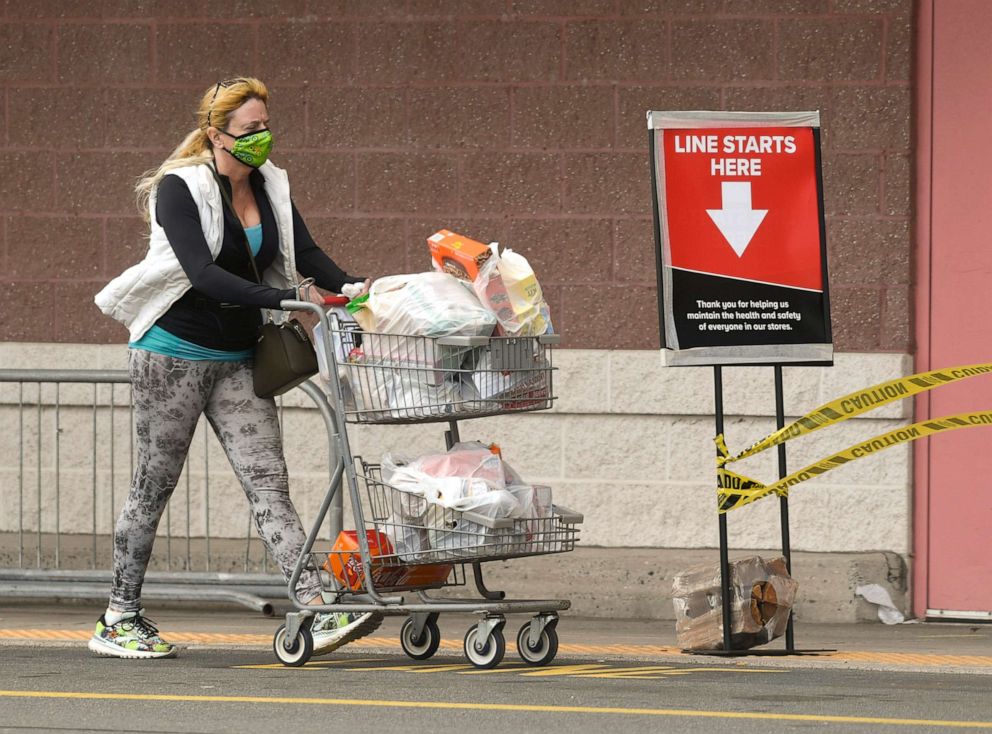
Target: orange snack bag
(347, 567)
(345, 562)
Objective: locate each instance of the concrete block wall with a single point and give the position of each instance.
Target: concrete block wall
(629, 444)
(513, 120)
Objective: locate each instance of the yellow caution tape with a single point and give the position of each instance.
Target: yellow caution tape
(855, 404)
(736, 490)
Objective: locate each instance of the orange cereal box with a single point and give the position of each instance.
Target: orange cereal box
(458, 255)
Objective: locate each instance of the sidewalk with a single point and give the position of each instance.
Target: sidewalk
(934, 647)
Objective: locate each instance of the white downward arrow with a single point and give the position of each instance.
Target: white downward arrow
(737, 221)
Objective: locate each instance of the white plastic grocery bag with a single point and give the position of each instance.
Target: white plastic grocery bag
(507, 285)
(424, 304)
(342, 340)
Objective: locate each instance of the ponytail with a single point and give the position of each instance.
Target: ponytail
(194, 149)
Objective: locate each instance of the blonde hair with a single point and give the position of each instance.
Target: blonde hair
(216, 107)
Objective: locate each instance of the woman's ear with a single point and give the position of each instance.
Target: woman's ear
(213, 134)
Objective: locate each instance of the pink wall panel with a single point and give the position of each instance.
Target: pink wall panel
(954, 522)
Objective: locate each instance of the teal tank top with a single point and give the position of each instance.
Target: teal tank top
(160, 341)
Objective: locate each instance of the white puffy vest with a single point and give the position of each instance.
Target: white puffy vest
(142, 293)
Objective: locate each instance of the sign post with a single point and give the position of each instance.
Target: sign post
(741, 256)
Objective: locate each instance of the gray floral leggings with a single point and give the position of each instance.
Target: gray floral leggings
(169, 395)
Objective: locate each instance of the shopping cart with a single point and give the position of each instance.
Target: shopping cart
(403, 542)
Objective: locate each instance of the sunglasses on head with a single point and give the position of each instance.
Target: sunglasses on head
(225, 85)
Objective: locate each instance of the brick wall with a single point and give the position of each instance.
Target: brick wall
(516, 120)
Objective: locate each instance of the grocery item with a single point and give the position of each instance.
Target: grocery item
(762, 594)
(345, 563)
(464, 460)
(366, 385)
(343, 336)
(458, 534)
(465, 488)
(426, 574)
(457, 255)
(422, 304)
(345, 560)
(459, 479)
(414, 394)
(535, 511)
(409, 538)
(401, 369)
(507, 285)
(516, 382)
(435, 361)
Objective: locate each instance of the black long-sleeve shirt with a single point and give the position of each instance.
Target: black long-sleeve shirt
(221, 310)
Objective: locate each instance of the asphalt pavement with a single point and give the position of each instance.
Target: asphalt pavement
(608, 673)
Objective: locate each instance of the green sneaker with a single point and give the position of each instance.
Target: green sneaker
(134, 636)
(335, 629)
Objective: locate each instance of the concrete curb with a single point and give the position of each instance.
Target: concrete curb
(636, 583)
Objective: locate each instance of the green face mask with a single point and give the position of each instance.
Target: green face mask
(252, 149)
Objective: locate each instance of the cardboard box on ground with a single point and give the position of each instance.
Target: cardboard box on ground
(762, 595)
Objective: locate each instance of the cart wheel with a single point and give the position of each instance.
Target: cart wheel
(423, 647)
(300, 649)
(546, 648)
(491, 653)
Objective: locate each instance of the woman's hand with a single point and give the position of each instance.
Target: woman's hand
(310, 294)
(313, 295)
(356, 290)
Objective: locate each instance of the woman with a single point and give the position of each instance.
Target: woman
(192, 307)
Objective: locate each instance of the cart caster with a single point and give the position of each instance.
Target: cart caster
(426, 645)
(545, 650)
(484, 654)
(298, 651)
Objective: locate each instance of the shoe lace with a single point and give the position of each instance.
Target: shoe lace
(145, 626)
(327, 621)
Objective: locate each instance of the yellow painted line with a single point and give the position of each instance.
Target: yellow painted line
(504, 667)
(557, 670)
(180, 637)
(417, 668)
(642, 672)
(660, 672)
(390, 643)
(645, 672)
(508, 707)
(644, 676)
(312, 665)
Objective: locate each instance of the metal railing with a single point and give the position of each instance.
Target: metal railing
(60, 493)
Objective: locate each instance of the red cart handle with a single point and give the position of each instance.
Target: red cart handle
(336, 300)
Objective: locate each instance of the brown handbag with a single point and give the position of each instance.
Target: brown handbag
(284, 355)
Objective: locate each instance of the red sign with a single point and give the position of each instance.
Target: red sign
(740, 232)
(742, 203)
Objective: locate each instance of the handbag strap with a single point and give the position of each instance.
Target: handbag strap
(244, 235)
